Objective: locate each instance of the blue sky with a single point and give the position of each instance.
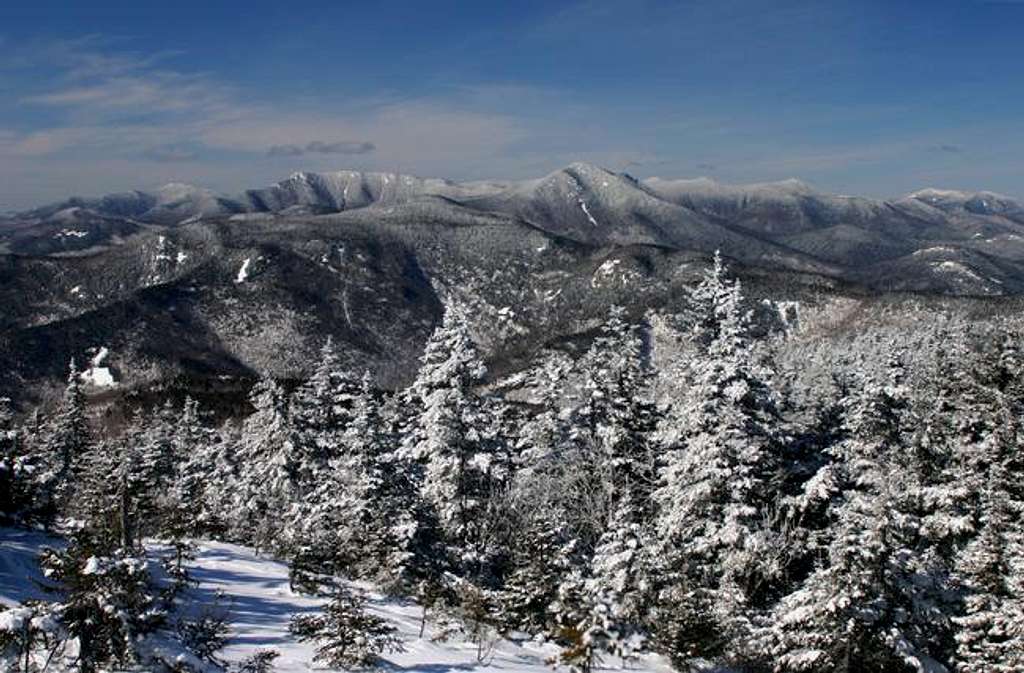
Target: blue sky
(874, 98)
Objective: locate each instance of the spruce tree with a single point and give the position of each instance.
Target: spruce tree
(386, 505)
(720, 478)
(609, 450)
(65, 440)
(877, 601)
(990, 632)
(544, 555)
(346, 635)
(446, 437)
(18, 471)
(272, 475)
(322, 407)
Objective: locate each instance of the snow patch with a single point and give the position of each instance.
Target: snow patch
(243, 273)
(612, 270)
(583, 205)
(934, 249)
(958, 269)
(98, 375)
(259, 606)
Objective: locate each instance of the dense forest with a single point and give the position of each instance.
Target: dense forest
(853, 505)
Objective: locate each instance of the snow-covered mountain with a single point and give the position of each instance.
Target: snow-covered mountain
(976, 203)
(182, 281)
(788, 222)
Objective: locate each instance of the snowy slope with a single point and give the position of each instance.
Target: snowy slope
(260, 605)
(19, 571)
(254, 593)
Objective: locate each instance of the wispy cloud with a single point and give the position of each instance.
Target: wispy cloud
(170, 154)
(133, 105)
(320, 147)
(947, 148)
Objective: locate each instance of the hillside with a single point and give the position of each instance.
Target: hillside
(182, 284)
(253, 592)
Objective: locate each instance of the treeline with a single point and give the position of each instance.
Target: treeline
(750, 517)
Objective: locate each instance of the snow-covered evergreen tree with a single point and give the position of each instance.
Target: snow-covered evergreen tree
(107, 604)
(18, 470)
(541, 435)
(544, 555)
(119, 487)
(387, 509)
(446, 436)
(191, 504)
(618, 579)
(877, 602)
(273, 475)
(346, 635)
(990, 633)
(614, 410)
(321, 408)
(65, 439)
(362, 514)
(719, 482)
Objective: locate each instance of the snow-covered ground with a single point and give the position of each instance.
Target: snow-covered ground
(253, 592)
(18, 568)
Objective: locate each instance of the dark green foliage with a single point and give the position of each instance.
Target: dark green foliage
(261, 661)
(107, 599)
(345, 634)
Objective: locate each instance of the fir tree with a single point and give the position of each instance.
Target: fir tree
(345, 634)
(18, 470)
(611, 427)
(618, 579)
(386, 507)
(190, 505)
(107, 601)
(544, 555)
(874, 603)
(275, 475)
(446, 436)
(542, 435)
(990, 634)
(322, 407)
(719, 481)
(66, 439)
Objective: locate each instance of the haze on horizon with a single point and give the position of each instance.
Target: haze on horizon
(871, 98)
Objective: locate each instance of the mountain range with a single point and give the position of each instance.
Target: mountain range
(182, 281)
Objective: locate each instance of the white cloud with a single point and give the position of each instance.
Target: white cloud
(99, 92)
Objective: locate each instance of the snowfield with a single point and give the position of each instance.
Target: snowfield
(253, 592)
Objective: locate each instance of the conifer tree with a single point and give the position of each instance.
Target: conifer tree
(321, 408)
(446, 436)
(618, 578)
(66, 439)
(544, 555)
(346, 635)
(18, 469)
(191, 510)
(721, 467)
(107, 602)
(990, 633)
(542, 435)
(873, 604)
(386, 506)
(274, 476)
(611, 423)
